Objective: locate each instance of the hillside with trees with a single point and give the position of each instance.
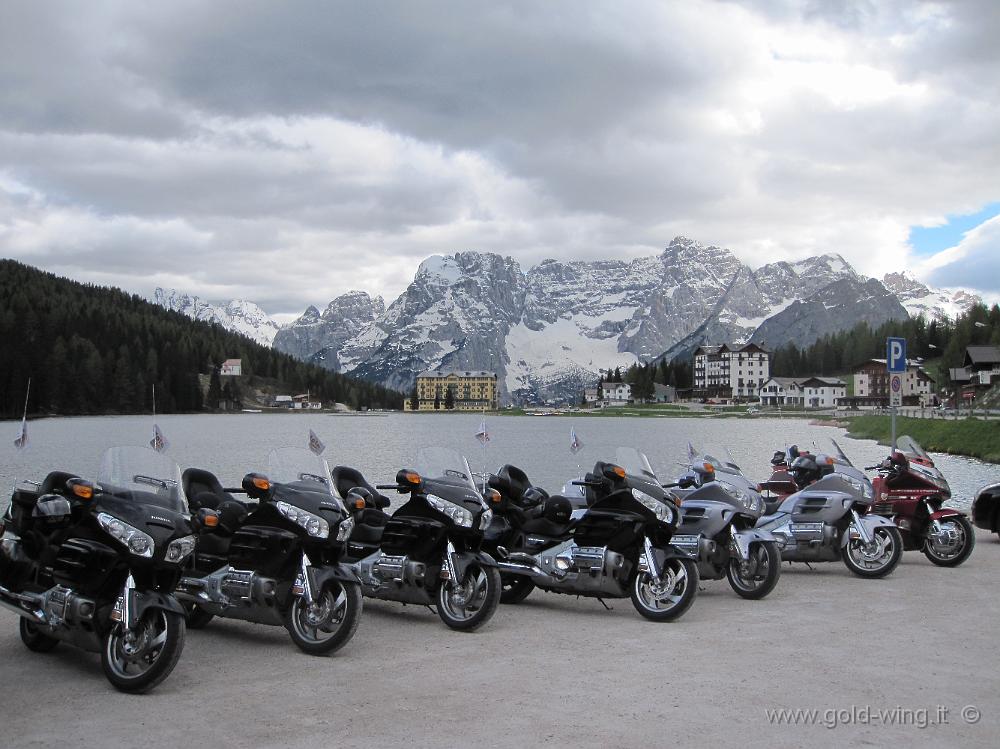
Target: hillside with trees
(93, 350)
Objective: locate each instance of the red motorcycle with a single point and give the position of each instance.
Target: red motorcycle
(911, 490)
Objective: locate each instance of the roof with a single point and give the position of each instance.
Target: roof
(231, 362)
(825, 382)
(457, 373)
(982, 355)
(731, 347)
(783, 380)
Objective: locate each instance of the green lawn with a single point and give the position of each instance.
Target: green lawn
(973, 437)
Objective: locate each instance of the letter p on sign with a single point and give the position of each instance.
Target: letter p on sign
(895, 354)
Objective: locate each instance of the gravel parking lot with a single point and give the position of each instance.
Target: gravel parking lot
(918, 649)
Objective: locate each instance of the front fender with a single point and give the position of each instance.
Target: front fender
(870, 522)
(662, 553)
(319, 576)
(152, 599)
(462, 560)
(948, 512)
(750, 536)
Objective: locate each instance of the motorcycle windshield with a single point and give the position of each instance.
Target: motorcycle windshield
(635, 463)
(444, 464)
(907, 445)
(839, 455)
(141, 474)
(291, 465)
(729, 476)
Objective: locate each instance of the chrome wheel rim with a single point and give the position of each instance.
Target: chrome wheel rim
(873, 556)
(750, 575)
(954, 548)
(664, 596)
(322, 619)
(464, 601)
(131, 653)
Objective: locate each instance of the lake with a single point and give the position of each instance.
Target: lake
(231, 445)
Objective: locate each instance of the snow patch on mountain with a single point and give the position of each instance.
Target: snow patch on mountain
(934, 304)
(236, 315)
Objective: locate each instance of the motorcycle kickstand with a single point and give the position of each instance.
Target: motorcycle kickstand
(605, 605)
(807, 565)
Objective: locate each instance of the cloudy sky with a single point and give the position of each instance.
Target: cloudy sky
(288, 152)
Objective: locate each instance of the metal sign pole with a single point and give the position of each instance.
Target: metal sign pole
(892, 428)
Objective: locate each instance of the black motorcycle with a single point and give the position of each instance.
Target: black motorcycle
(94, 564)
(278, 557)
(617, 546)
(428, 551)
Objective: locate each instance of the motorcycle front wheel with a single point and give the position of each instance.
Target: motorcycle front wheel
(877, 559)
(326, 624)
(470, 604)
(756, 577)
(674, 594)
(958, 552)
(137, 660)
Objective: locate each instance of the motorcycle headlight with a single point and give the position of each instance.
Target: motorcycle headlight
(345, 528)
(314, 525)
(133, 539)
(739, 495)
(459, 514)
(662, 510)
(179, 548)
(485, 519)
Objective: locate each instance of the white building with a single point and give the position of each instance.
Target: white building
(731, 370)
(808, 392)
(871, 384)
(615, 393)
(231, 368)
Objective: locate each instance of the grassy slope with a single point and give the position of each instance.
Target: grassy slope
(973, 437)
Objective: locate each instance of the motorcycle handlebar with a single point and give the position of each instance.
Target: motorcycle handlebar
(587, 483)
(670, 486)
(386, 486)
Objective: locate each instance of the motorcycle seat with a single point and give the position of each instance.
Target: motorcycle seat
(346, 478)
(203, 489)
(511, 481)
(368, 526)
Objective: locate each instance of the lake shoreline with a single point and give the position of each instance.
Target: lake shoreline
(971, 437)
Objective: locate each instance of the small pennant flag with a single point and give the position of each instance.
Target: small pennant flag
(693, 454)
(315, 443)
(575, 445)
(159, 442)
(22, 437)
(482, 435)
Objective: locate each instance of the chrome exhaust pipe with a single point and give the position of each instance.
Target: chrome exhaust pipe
(518, 568)
(34, 616)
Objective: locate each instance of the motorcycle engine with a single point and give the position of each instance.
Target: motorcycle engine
(62, 606)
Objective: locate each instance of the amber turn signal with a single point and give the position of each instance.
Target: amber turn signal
(210, 521)
(708, 467)
(619, 472)
(493, 496)
(82, 489)
(412, 477)
(261, 483)
(359, 503)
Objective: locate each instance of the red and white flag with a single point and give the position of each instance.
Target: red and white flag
(159, 442)
(315, 443)
(21, 441)
(482, 435)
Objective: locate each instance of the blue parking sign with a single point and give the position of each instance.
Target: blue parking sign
(895, 355)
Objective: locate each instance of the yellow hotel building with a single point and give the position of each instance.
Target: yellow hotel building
(471, 391)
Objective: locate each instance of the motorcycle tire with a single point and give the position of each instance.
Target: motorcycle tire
(481, 586)
(308, 624)
(890, 564)
(966, 550)
(166, 628)
(34, 638)
(515, 588)
(756, 589)
(197, 617)
(647, 600)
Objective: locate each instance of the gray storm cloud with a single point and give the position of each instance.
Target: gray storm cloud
(288, 152)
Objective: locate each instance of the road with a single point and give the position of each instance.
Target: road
(556, 671)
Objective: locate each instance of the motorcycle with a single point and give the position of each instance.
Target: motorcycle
(719, 509)
(277, 558)
(618, 546)
(94, 564)
(986, 509)
(911, 490)
(827, 519)
(428, 552)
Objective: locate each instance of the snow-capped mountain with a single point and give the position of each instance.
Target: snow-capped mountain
(237, 315)
(548, 330)
(920, 299)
